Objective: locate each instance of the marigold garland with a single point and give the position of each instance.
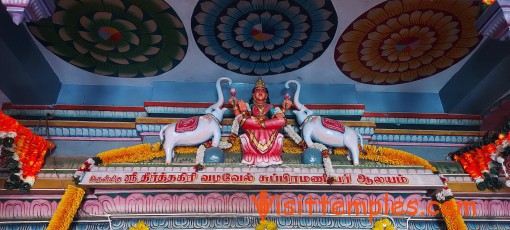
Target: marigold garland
(132, 154)
(451, 215)
(383, 224)
(266, 225)
(236, 147)
(289, 146)
(389, 156)
(144, 152)
(185, 149)
(67, 208)
(449, 209)
(140, 226)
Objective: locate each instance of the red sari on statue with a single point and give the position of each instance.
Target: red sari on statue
(262, 143)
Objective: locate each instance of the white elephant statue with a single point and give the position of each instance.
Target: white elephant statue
(195, 130)
(324, 130)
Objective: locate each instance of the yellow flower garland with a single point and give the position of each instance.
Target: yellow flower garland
(140, 226)
(132, 154)
(289, 146)
(144, 152)
(266, 225)
(185, 149)
(383, 224)
(379, 154)
(67, 208)
(451, 215)
(236, 147)
(389, 156)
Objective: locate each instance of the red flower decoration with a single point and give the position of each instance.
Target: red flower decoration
(233, 92)
(302, 144)
(232, 138)
(325, 154)
(198, 167)
(488, 2)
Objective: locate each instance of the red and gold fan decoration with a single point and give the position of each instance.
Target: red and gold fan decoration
(25, 152)
(485, 160)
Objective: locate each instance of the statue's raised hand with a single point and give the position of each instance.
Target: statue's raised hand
(286, 104)
(233, 101)
(243, 107)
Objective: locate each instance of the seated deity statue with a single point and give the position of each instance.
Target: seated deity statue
(261, 142)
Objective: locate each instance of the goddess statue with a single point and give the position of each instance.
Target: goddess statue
(261, 143)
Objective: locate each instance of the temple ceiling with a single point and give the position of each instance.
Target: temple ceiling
(398, 45)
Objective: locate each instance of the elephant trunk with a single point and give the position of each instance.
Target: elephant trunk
(297, 104)
(218, 104)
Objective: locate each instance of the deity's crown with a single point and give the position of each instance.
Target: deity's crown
(260, 83)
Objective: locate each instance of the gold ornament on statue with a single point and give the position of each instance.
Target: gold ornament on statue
(260, 83)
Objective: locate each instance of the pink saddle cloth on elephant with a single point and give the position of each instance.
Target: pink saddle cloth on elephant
(187, 124)
(333, 124)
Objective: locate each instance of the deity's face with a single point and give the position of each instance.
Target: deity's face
(259, 94)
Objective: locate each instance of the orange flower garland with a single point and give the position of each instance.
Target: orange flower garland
(451, 215)
(389, 156)
(27, 152)
(132, 154)
(145, 152)
(236, 147)
(139, 153)
(140, 226)
(67, 208)
(449, 209)
(383, 224)
(266, 225)
(289, 146)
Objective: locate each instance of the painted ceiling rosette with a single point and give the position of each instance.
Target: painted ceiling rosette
(136, 38)
(263, 37)
(400, 41)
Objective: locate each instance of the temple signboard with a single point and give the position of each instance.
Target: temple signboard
(357, 178)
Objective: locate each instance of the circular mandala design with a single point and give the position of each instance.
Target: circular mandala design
(263, 37)
(115, 38)
(403, 41)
